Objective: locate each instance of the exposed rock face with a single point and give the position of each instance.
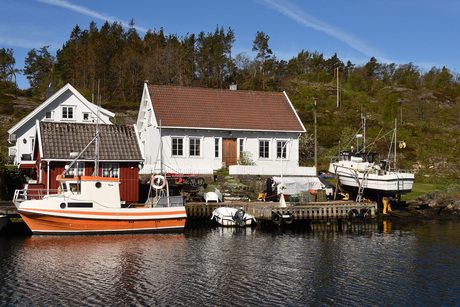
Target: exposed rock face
(444, 203)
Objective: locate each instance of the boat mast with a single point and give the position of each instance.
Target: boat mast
(396, 125)
(96, 150)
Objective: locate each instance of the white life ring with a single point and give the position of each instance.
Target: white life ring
(159, 179)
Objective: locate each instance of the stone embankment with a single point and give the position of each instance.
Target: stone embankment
(437, 204)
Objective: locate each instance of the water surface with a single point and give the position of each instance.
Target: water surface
(384, 265)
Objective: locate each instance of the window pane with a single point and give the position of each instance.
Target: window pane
(263, 149)
(216, 148)
(281, 149)
(177, 146)
(110, 170)
(195, 147)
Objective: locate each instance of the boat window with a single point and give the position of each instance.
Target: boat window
(98, 185)
(74, 187)
(80, 205)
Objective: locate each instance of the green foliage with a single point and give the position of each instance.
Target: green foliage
(38, 68)
(245, 158)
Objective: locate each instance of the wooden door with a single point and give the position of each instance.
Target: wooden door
(229, 152)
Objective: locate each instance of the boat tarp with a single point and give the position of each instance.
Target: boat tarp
(296, 184)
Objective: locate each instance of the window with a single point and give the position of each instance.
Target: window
(78, 169)
(241, 145)
(110, 170)
(216, 147)
(85, 116)
(195, 147)
(49, 115)
(32, 143)
(67, 112)
(264, 151)
(177, 146)
(281, 149)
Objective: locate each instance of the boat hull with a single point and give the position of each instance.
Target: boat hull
(375, 183)
(41, 222)
(229, 217)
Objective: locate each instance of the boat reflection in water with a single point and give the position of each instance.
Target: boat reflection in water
(238, 266)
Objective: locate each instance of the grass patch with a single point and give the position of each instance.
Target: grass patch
(422, 188)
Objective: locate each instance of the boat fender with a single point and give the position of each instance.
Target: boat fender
(158, 182)
(276, 218)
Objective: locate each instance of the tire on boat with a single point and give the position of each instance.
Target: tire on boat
(289, 219)
(365, 213)
(276, 218)
(353, 213)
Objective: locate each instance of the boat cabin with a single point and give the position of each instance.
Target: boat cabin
(98, 189)
(360, 156)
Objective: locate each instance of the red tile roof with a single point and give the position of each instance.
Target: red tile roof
(116, 142)
(193, 107)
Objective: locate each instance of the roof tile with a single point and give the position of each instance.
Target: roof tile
(116, 142)
(191, 107)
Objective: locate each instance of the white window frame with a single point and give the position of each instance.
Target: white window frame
(241, 145)
(65, 109)
(51, 114)
(177, 149)
(278, 154)
(32, 144)
(217, 142)
(89, 116)
(196, 147)
(79, 166)
(262, 156)
(111, 170)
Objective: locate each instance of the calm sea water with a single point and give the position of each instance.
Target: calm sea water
(385, 265)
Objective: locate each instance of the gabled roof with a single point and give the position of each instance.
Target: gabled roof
(67, 87)
(192, 107)
(116, 142)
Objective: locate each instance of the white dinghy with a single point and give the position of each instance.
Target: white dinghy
(226, 216)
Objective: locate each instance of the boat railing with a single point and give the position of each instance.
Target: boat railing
(403, 171)
(29, 194)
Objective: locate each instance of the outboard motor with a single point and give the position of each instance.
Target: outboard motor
(239, 217)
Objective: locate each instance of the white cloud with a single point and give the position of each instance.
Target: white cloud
(296, 14)
(88, 12)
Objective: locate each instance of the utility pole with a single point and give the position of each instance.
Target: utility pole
(338, 89)
(316, 143)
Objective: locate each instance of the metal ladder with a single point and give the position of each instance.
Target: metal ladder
(363, 182)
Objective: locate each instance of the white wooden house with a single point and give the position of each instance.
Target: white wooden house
(67, 106)
(193, 130)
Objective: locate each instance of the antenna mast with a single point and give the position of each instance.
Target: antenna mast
(96, 150)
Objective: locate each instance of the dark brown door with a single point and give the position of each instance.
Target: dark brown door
(229, 152)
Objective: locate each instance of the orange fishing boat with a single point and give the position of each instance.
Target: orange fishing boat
(91, 204)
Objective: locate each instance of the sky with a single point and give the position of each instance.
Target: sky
(424, 32)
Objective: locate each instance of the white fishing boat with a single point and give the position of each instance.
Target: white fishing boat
(226, 216)
(363, 174)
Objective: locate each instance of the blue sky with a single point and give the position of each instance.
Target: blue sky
(394, 31)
